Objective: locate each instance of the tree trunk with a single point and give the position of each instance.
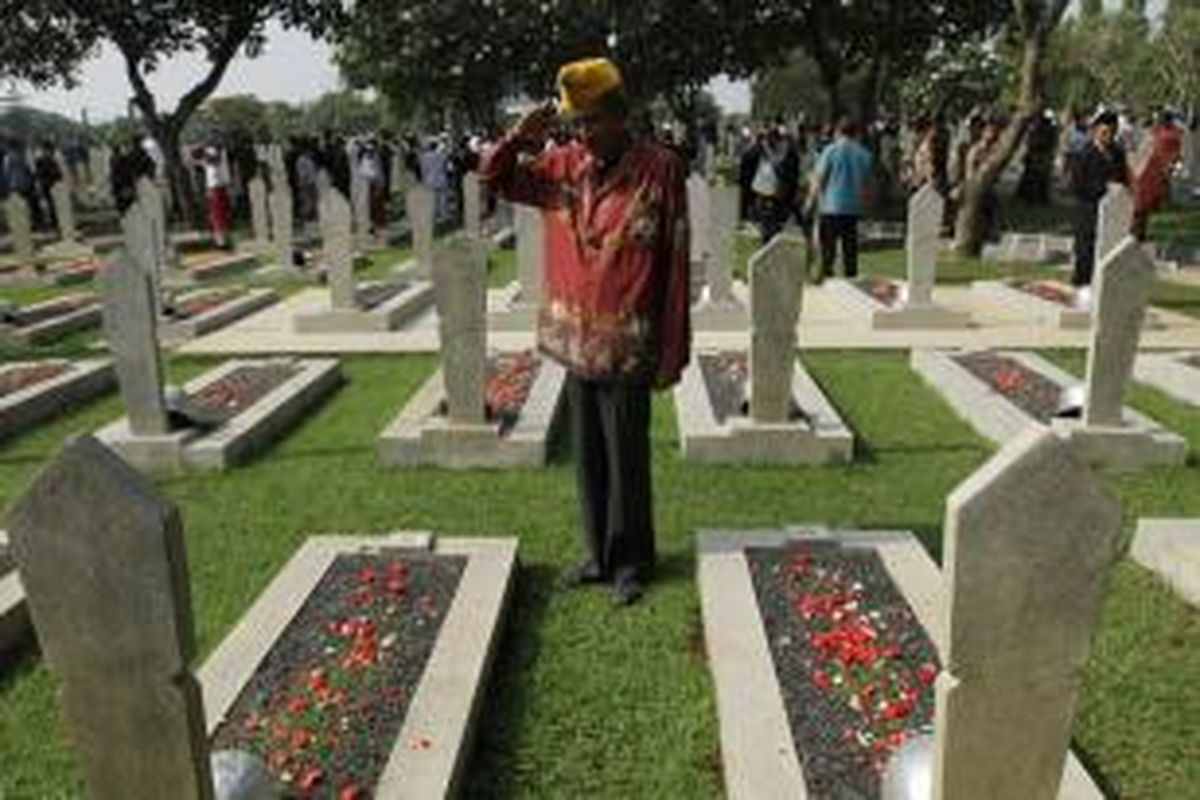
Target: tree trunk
(970, 229)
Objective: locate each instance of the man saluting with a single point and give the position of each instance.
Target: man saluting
(614, 299)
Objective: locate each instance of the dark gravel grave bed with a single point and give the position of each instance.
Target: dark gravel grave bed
(855, 666)
(725, 376)
(373, 295)
(198, 303)
(14, 379)
(242, 388)
(328, 702)
(881, 290)
(1047, 291)
(1032, 392)
(68, 304)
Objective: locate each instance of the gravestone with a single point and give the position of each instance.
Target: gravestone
(282, 208)
(1114, 220)
(100, 164)
(926, 209)
(20, 227)
(150, 198)
(64, 209)
(460, 283)
(103, 564)
(131, 329)
(1124, 282)
(531, 252)
(775, 296)
(472, 204)
(698, 198)
(360, 199)
(419, 206)
(721, 235)
(338, 245)
(256, 189)
(1029, 542)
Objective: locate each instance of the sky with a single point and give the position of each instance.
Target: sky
(294, 68)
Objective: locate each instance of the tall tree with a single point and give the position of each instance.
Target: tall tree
(146, 32)
(1034, 22)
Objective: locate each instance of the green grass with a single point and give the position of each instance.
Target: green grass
(588, 701)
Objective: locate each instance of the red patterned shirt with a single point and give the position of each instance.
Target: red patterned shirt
(615, 294)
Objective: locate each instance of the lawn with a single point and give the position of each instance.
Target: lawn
(589, 701)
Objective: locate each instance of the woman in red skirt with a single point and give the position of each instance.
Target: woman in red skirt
(216, 180)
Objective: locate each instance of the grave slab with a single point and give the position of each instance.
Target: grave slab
(1170, 548)
(49, 326)
(424, 435)
(758, 754)
(239, 438)
(1175, 374)
(860, 303)
(411, 300)
(219, 316)
(443, 712)
(14, 613)
(1138, 443)
(75, 382)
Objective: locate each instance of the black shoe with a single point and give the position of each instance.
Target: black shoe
(587, 573)
(627, 589)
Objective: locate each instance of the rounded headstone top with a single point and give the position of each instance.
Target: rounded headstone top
(238, 775)
(909, 772)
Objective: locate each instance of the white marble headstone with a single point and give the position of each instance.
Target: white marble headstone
(256, 190)
(64, 209)
(20, 227)
(531, 252)
(699, 217)
(1114, 220)
(472, 191)
(460, 285)
(419, 206)
(338, 246)
(723, 201)
(925, 213)
(776, 273)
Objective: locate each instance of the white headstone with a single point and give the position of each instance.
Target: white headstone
(131, 330)
(282, 215)
(925, 213)
(419, 206)
(338, 246)
(256, 190)
(360, 199)
(1029, 542)
(472, 204)
(101, 168)
(721, 244)
(1114, 220)
(20, 227)
(775, 295)
(64, 209)
(151, 200)
(531, 252)
(460, 284)
(1124, 282)
(104, 567)
(699, 217)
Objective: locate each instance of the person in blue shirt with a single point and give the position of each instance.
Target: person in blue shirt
(843, 181)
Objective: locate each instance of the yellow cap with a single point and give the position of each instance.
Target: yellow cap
(582, 83)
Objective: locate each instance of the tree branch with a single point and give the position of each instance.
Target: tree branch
(220, 56)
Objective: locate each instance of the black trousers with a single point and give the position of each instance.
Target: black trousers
(610, 430)
(837, 228)
(1085, 242)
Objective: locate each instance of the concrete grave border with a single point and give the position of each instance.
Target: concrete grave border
(49, 330)
(1170, 374)
(1141, 443)
(81, 382)
(900, 317)
(218, 317)
(241, 437)
(757, 750)
(447, 702)
(390, 315)
(419, 436)
(1170, 548)
(14, 612)
(1038, 309)
(706, 441)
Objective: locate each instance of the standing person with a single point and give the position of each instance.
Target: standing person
(843, 182)
(977, 158)
(1100, 163)
(21, 179)
(48, 173)
(615, 306)
(216, 184)
(776, 177)
(1152, 182)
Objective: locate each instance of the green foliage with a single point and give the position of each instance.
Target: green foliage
(955, 79)
(31, 125)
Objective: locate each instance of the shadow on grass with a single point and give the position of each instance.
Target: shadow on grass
(506, 707)
(1092, 766)
(19, 661)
